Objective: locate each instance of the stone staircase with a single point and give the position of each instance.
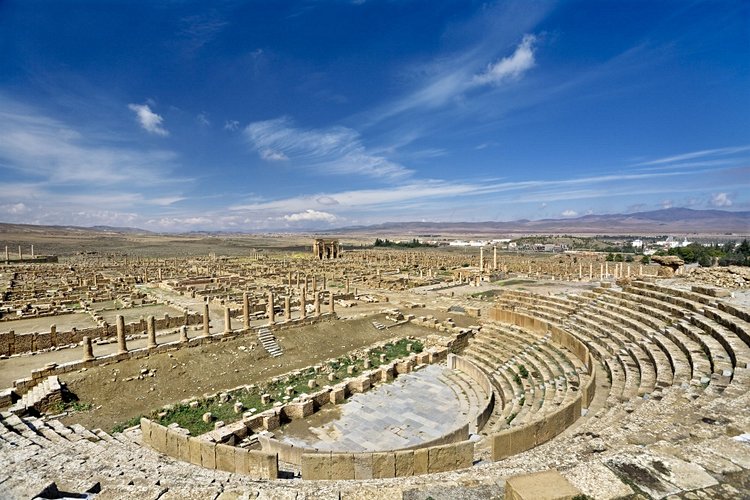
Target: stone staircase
(269, 342)
(41, 397)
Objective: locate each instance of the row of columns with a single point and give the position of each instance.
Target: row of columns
(122, 347)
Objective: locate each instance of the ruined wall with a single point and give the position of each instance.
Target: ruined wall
(256, 464)
(402, 463)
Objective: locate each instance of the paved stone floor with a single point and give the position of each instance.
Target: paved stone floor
(414, 408)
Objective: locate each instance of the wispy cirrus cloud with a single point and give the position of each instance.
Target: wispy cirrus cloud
(453, 81)
(696, 154)
(332, 150)
(150, 121)
(511, 67)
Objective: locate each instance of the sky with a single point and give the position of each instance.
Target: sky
(277, 115)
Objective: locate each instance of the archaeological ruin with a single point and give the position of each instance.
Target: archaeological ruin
(375, 373)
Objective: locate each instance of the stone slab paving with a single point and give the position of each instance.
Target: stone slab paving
(414, 408)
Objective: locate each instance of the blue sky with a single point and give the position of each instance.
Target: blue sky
(274, 115)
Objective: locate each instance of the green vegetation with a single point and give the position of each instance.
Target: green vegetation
(523, 371)
(728, 254)
(414, 243)
(69, 406)
(191, 418)
(510, 418)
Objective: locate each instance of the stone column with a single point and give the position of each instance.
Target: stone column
(317, 303)
(122, 346)
(481, 260)
(20, 255)
(606, 269)
(151, 328)
(245, 311)
(591, 270)
(88, 351)
(331, 307)
(601, 271)
(325, 283)
(269, 309)
(287, 309)
(580, 270)
(494, 258)
(227, 320)
(183, 334)
(7, 255)
(32, 251)
(290, 279)
(206, 321)
(640, 270)
(347, 285)
(302, 311)
(314, 284)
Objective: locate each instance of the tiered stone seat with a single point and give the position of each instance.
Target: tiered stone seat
(552, 380)
(32, 451)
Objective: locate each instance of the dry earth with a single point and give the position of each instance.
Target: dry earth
(215, 367)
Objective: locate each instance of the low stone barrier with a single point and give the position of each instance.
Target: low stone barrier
(255, 464)
(402, 463)
(478, 376)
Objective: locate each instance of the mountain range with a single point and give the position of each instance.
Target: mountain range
(656, 222)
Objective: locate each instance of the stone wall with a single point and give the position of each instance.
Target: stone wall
(402, 463)
(12, 343)
(481, 379)
(255, 464)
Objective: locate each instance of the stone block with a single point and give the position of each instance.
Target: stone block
(159, 437)
(337, 395)
(316, 466)
(195, 450)
(362, 465)
(295, 411)
(146, 431)
(208, 455)
(172, 447)
(404, 463)
(421, 461)
(271, 422)
(225, 458)
(183, 447)
(546, 485)
(262, 465)
(383, 465)
(342, 466)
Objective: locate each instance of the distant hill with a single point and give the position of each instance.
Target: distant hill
(670, 220)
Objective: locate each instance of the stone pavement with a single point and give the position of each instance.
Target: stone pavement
(414, 408)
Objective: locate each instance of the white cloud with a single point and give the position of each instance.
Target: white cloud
(150, 121)
(569, 213)
(231, 125)
(270, 155)
(667, 204)
(511, 67)
(203, 120)
(310, 215)
(14, 208)
(333, 150)
(721, 200)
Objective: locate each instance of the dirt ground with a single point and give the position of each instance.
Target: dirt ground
(212, 368)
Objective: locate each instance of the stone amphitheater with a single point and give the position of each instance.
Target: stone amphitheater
(621, 387)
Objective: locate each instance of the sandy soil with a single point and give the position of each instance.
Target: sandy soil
(207, 369)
